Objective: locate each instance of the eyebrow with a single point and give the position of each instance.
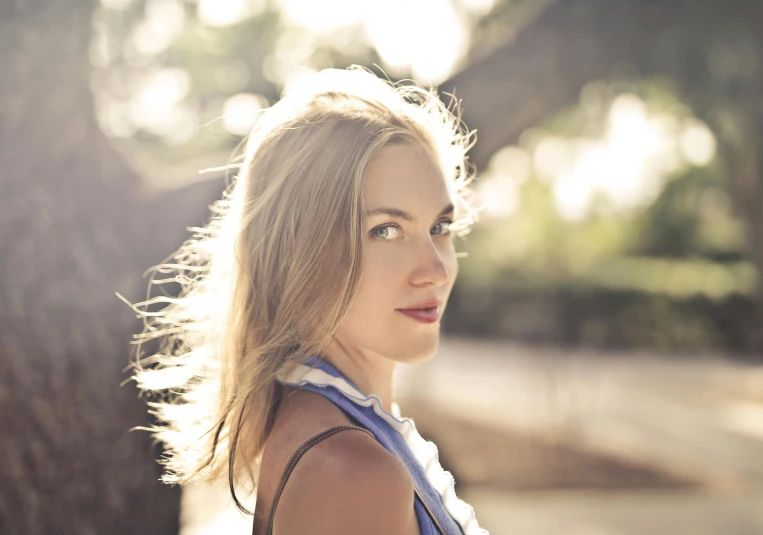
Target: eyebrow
(402, 214)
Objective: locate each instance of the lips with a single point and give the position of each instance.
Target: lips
(424, 315)
(426, 304)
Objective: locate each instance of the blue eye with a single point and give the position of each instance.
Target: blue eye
(447, 222)
(386, 228)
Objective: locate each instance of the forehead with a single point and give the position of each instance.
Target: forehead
(405, 176)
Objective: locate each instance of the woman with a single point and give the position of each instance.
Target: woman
(330, 260)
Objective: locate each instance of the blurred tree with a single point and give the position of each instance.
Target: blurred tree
(712, 50)
(75, 226)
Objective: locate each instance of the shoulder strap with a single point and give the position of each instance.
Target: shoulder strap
(293, 462)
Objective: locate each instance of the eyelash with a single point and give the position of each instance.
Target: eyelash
(373, 231)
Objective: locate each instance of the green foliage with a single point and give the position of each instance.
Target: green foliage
(667, 245)
(692, 218)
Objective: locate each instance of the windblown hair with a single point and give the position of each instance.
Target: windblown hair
(266, 282)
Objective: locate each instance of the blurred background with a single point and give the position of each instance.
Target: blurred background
(600, 368)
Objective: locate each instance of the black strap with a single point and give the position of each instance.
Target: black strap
(293, 462)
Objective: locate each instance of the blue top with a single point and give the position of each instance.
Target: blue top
(400, 437)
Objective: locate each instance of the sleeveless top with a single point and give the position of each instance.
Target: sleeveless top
(438, 510)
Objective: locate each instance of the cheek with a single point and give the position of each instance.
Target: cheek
(374, 302)
(384, 264)
(382, 274)
(451, 261)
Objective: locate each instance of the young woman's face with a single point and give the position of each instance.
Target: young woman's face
(409, 256)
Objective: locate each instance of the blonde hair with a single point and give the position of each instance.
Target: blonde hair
(266, 282)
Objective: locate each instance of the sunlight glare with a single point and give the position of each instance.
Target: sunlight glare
(498, 188)
(628, 165)
(291, 55)
(165, 88)
(697, 142)
(220, 13)
(323, 16)
(155, 107)
(430, 50)
(551, 157)
(178, 125)
(163, 24)
(478, 7)
(573, 189)
(498, 196)
(512, 161)
(630, 142)
(240, 112)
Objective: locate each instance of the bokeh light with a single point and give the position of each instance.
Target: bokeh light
(241, 110)
(222, 13)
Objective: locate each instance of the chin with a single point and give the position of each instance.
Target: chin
(424, 357)
(413, 353)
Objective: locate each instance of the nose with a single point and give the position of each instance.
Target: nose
(431, 266)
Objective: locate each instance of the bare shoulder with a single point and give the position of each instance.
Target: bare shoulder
(347, 484)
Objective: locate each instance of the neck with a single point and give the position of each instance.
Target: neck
(372, 374)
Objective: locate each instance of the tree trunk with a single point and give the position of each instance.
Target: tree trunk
(73, 231)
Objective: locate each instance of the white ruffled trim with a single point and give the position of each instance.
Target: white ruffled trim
(424, 451)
